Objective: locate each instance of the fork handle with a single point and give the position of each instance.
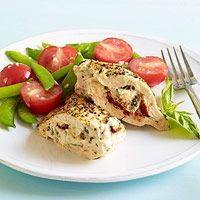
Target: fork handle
(195, 99)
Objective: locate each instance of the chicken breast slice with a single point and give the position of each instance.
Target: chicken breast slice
(83, 128)
(119, 91)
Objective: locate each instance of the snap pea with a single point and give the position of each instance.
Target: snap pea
(69, 82)
(19, 57)
(11, 90)
(42, 73)
(64, 70)
(60, 73)
(44, 44)
(86, 49)
(33, 53)
(135, 55)
(7, 111)
(70, 79)
(25, 115)
(79, 58)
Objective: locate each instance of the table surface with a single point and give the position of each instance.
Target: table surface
(175, 20)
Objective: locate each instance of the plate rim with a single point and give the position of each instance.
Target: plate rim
(166, 165)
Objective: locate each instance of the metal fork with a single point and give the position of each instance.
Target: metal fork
(181, 79)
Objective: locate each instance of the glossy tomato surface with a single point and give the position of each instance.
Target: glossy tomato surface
(15, 73)
(151, 68)
(54, 58)
(38, 100)
(113, 50)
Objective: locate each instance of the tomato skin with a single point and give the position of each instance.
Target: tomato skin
(54, 58)
(38, 100)
(151, 68)
(113, 50)
(14, 73)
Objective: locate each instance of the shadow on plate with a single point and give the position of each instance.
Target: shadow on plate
(173, 133)
(46, 150)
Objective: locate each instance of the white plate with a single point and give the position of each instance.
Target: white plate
(144, 152)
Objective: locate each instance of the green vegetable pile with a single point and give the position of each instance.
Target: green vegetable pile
(9, 95)
(182, 119)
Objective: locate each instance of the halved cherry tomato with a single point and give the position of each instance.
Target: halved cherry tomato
(14, 73)
(54, 58)
(38, 100)
(152, 69)
(113, 50)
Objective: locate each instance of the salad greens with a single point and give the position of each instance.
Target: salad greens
(7, 111)
(42, 73)
(180, 118)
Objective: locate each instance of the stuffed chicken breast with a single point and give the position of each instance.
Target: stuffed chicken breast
(119, 91)
(83, 128)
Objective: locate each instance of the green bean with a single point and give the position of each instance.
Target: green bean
(7, 111)
(11, 90)
(33, 53)
(64, 70)
(42, 73)
(135, 55)
(70, 79)
(25, 115)
(86, 49)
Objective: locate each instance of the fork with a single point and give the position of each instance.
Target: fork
(181, 79)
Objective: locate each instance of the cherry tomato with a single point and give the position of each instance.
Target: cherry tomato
(54, 58)
(152, 69)
(38, 100)
(113, 50)
(14, 73)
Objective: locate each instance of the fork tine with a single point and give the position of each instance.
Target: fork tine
(173, 67)
(180, 67)
(163, 57)
(189, 70)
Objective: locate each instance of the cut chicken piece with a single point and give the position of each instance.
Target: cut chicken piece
(119, 91)
(83, 128)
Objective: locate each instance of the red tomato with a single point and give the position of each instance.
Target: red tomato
(54, 58)
(152, 69)
(113, 50)
(14, 73)
(38, 100)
